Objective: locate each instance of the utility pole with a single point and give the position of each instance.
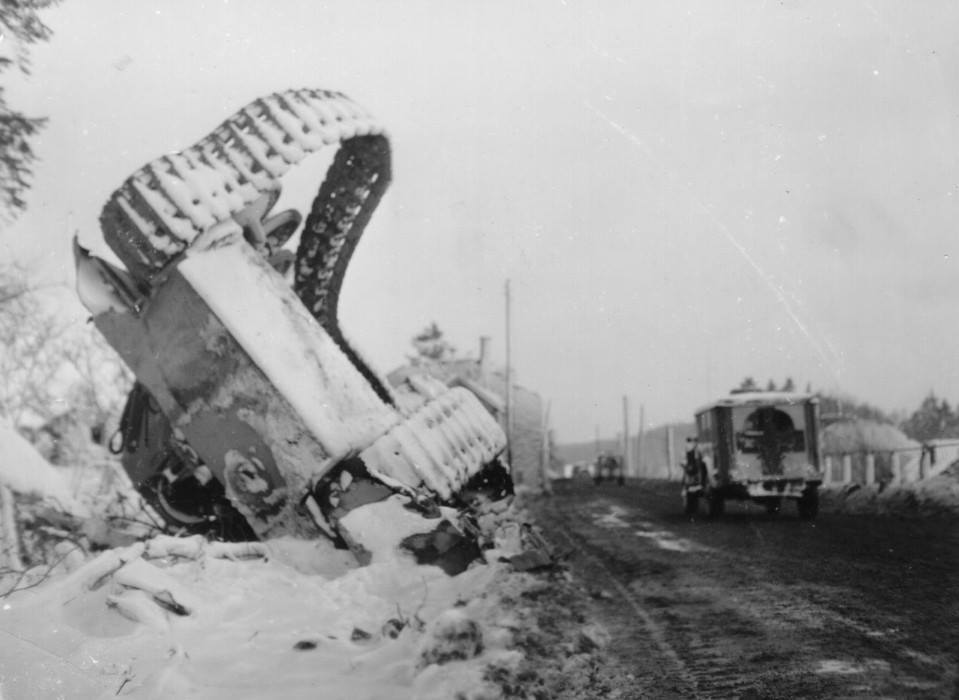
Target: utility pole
(544, 455)
(627, 456)
(639, 443)
(669, 452)
(509, 383)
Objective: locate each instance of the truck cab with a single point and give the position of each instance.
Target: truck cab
(758, 446)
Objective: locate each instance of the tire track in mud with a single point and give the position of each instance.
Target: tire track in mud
(656, 633)
(757, 620)
(702, 672)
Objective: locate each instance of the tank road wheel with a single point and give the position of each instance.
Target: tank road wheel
(690, 502)
(808, 504)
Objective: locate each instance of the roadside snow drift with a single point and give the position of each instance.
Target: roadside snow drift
(25, 471)
(933, 496)
(181, 618)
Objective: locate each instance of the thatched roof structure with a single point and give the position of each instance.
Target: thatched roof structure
(861, 435)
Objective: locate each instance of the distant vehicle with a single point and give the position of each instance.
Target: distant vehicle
(577, 470)
(759, 446)
(609, 467)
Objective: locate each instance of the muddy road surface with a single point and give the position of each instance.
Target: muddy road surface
(753, 605)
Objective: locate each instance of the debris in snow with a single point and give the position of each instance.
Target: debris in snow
(165, 591)
(138, 606)
(358, 635)
(591, 638)
(392, 628)
(521, 545)
(537, 553)
(196, 547)
(445, 546)
(532, 560)
(453, 636)
(375, 529)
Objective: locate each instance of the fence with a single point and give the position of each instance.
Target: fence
(889, 466)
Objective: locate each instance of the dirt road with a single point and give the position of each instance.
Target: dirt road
(763, 606)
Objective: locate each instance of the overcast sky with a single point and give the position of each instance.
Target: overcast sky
(682, 193)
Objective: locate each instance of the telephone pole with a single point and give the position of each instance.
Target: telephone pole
(544, 455)
(509, 383)
(640, 467)
(627, 456)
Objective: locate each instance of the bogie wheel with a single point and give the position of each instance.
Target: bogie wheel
(808, 504)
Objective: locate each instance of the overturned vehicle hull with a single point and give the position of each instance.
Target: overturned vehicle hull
(252, 415)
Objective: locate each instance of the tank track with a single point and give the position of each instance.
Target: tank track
(174, 202)
(167, 204)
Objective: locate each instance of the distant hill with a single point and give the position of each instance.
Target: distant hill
(655, 453)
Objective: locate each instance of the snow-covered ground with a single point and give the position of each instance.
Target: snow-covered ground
(25, 471)
(933, 496)
(183, 617)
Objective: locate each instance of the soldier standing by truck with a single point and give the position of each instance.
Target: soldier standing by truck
(694, 475)
(694, 469)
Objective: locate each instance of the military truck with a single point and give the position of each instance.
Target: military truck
(758, 446)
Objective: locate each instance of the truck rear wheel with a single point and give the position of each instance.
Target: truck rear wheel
(808, 504)
(716, 504)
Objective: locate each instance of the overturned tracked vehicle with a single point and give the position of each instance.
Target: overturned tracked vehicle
(252, 416)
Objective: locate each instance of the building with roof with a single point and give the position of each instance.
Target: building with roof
(528, 443)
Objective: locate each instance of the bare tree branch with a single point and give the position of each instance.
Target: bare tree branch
(47, 571)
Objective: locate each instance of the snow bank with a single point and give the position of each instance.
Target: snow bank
(26, 472)
(934, 496)
(947, 452)
(183, 618)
